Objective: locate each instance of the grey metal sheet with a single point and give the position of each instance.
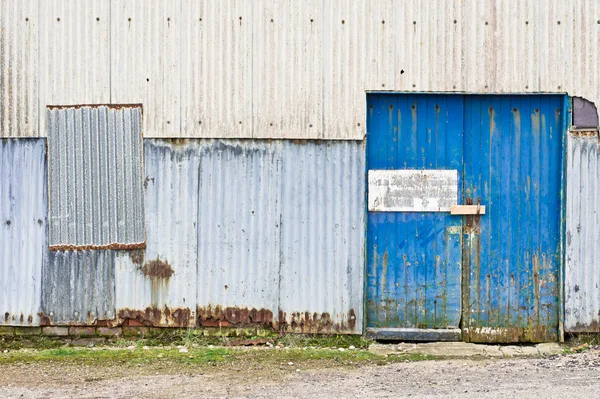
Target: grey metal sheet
(95, 169)
(322, 237)
(22, 229)
(78, 287)
(582, 274)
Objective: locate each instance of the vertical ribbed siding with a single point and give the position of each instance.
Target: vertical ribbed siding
(216, 69)
(19, 68)
(75, 56)
(22, 229)
(239, 224)
(145, 67)
(222, 69)
(95, 176)
(582, 278)
(287, 54)
(78, 287)
(322, 236)
(171, 233)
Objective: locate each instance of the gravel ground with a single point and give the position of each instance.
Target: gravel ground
(555, 377)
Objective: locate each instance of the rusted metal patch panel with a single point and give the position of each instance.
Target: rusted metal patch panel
(95, 171)
(22, 229)
(582, 274)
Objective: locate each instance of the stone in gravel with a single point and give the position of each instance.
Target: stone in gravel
(290, 363)
(351, 347)
(341, 349)
(145, 347)
(183, 350)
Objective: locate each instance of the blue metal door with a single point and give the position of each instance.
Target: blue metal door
(513, 158)
(414, 258)
(507, 151)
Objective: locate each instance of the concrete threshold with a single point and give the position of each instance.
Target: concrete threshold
(466, 350)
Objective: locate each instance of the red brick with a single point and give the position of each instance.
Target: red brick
(82, 331)
(55, 331)
(134, 331)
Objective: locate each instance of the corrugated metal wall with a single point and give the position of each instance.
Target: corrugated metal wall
(238, 233)
(582, 275)
(23, 241)
(277, 69)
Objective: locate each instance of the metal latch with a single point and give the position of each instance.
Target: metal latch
(467, 209)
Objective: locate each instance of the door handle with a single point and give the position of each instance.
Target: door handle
(467, 209)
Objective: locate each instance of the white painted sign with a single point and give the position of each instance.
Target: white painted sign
(412, 190)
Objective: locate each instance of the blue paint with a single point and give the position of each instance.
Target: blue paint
(508, 151)
(413, 273)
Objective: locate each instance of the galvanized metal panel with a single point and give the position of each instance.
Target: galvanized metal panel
(322, 237)
(513, 158)
(216, 69)
(95, 170)
(235, 73)
(78, 287)
(74, 57)
(158, 285)
(414, 258)
(287, 57)
(412, 190)
(19, 71)
(22, 229)
(145, 61)
(239, 238)
(582, 278)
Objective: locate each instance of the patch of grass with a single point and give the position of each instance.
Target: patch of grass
(109, 356)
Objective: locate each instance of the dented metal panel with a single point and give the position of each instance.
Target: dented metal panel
(95, 171)
(322, 237)
(582, 275)
(78, 287)
(22, 229)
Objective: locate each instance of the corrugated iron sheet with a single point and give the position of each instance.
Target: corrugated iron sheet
(239, 234)
(78, 287)
(74, 65)
(322, 237)
(242, 232)
(19, 71)
(242, 68)
(158, 286)
(582, 276)
(22, 229)
(95, 164)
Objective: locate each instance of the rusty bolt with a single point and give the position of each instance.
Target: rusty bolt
(8, 222)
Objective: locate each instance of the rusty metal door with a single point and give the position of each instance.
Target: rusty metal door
(414, 162)
(512, 254)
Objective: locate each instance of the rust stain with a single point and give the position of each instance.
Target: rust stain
(137, 256)
(316, 323)
(154, 316)
(116, 246)
(45, 320)
(584, 133)
(77, 106)
(533, 334)
(157, 268)
(218, 316)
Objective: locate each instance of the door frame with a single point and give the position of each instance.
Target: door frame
(566, 124)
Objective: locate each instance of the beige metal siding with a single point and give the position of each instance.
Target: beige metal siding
(19, 71)
(222, 69)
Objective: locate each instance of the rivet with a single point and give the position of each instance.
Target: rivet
(558, 87)
(343, 22)
(168, 19)
(527, 87)
(414, 85)
(536, 110)
(454, 87)
(199, 122)
(311, 20)
(26, 19)
(97, 18)
(58, 19)
(526, 22)
(558, 22)
(514, 110)
(240, 18)
(8, 222)
(383, 85)
(271, 19)
(129, 19)
(168, 122)
(271, 124)
(486, 22)
(391, 106)
(414, 22)
(147, 79)
(383, 22)
(240, 122)
(200, 19)
(309, 125)
(454, 21)
(358, 124)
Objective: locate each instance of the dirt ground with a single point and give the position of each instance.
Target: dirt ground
(561, 376)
